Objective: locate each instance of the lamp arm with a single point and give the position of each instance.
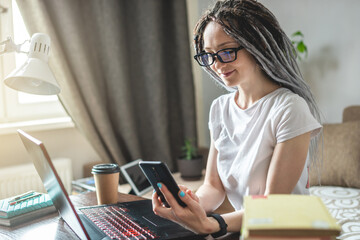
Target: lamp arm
(10, 46)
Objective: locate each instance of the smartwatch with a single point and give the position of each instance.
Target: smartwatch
(223, 225)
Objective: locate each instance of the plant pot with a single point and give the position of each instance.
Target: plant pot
(190, 169)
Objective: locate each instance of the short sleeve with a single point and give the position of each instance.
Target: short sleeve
(214, 118)
(293, 119)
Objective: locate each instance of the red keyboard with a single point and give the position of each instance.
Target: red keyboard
(117, 224)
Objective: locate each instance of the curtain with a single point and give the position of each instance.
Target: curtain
(125, 72)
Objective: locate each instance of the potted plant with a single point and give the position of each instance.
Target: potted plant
(299, 45)
(190, 163)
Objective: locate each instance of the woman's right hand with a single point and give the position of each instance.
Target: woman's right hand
(192, 217)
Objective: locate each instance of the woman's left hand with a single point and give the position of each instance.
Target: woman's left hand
(193, 216)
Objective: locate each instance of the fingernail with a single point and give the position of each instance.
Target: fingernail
(182, 194)
(159, 185)
(154, 191)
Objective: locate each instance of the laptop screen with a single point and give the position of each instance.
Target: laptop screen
(53, 183)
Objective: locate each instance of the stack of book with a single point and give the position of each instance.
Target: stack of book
(25, 207)
(287, 217)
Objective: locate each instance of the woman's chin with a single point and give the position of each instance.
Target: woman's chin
(228, 83)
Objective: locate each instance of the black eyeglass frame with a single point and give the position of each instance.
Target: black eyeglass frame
(217, 56)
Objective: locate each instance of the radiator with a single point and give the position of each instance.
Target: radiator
(18, 179)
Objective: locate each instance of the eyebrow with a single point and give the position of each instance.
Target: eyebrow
(220, 45)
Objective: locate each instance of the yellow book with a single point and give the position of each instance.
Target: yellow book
(287, 215)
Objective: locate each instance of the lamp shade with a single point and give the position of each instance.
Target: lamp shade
(35, 76)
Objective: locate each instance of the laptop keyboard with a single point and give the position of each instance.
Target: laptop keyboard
(116, 223)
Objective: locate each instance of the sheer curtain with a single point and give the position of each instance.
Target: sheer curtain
(125, 72)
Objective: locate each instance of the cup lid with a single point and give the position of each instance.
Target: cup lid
(105, 168)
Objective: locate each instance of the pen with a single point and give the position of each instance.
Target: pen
(21, 196)
(24, 199)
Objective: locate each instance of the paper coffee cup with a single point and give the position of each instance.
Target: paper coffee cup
(106, 182)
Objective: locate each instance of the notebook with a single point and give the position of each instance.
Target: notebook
(132, 220)
(11, 208)
(25, 210)
(287, 215)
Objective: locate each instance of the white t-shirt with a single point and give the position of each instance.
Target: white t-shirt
(245, 139)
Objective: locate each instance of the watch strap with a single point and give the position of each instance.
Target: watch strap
(223, 225)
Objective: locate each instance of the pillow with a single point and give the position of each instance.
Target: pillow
(341, 156)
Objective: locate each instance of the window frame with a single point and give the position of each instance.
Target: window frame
(12, 112)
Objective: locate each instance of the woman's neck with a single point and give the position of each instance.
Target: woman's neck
(247, 96)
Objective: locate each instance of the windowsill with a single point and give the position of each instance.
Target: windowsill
(37, 125)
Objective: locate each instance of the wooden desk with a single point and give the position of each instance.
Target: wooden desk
(193, 185)
(53, 227)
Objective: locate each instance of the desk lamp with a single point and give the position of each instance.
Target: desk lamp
(34, 76)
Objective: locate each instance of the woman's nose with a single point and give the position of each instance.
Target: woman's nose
(217, 64)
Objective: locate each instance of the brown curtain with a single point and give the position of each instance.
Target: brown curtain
(125, 72)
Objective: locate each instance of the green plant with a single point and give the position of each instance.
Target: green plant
(189, 151)
(299, 45)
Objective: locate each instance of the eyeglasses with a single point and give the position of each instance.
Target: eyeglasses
(224, 55)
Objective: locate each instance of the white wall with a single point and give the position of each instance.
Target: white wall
(67, 142)
(332, 34)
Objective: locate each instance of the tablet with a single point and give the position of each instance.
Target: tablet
(135, 177)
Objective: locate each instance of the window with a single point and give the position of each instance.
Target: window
(16, 106)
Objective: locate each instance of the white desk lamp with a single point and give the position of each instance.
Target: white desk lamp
(34, 76)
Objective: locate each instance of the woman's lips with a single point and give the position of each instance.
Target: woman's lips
(226, 74)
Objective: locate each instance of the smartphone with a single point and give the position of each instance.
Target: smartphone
(157, 172)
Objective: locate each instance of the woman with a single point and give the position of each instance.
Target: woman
(261, 130)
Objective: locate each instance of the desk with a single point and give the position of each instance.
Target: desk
(193, 185)
(81, 185)
(53, 227)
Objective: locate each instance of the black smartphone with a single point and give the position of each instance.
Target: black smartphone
(157, 172)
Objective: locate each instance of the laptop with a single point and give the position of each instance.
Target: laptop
(129, 220)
